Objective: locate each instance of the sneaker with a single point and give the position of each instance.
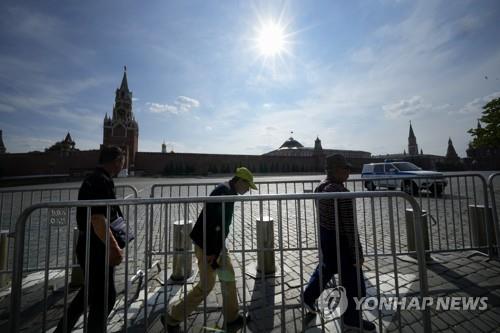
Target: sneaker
(238, 322)
(367, 326)
(170, 323)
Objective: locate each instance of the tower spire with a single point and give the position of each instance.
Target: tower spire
(451, 153)
(124, 85)
(412, 142)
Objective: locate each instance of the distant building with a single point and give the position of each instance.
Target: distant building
(121, 129)
(451, 153)
(426, 161)
(293, 148)
(163, 148)
(412, 143)
(64, 146)
(3, 150)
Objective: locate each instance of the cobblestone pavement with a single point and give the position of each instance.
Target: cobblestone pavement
(275, 301)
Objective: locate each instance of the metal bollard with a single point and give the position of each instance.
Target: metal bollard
(76, 271)
(480, 230)
(410, 231)
(265, 245)
(182, 262)
(4, 246)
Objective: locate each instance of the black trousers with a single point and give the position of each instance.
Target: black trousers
(97, 275)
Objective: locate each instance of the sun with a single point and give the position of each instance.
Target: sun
(271, 39)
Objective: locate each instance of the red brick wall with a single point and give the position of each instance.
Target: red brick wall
(48, 163)
(159, 163)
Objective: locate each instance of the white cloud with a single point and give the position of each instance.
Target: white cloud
(413, 106)
(406, 107)
(182, 104)
(184, 101)
(476, 105)
(161, 108)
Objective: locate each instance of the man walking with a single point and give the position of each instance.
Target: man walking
(215, 257)
(351, 255)
(97, 186)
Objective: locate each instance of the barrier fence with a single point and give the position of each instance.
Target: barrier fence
(495, 200)
(13, 202)
(455, 206)
(274, 244)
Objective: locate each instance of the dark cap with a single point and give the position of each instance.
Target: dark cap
(337, 161)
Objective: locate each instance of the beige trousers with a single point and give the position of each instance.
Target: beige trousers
(184, 306)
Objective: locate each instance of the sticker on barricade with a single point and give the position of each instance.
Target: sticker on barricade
(58, 217)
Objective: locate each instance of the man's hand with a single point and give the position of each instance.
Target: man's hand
(361, 262)
(115, 257)
(99, 225)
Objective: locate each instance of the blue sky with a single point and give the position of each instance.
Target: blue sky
(353, 73)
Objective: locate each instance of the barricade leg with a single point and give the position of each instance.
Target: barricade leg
(4, 248)
(265, 246)
(182, 265)
(410, 231)
(482, 233)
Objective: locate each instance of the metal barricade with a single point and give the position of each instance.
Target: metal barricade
(178, 190)
(269, 298)
(495, 202)
(13, 202)
(450, 207)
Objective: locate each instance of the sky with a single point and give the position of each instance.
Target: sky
(238, 77)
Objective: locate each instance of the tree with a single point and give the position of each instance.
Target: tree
(488, 136)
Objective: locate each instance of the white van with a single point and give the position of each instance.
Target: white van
(402, 175)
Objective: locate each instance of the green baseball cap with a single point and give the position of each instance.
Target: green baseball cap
(246, 175)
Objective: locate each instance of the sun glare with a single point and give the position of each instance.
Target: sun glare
(271, 39)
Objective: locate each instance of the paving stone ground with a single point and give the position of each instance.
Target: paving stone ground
(274, 303)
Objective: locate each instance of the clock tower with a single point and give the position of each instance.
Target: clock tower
(121, 129)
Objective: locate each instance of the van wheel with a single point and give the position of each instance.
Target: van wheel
(436, 190)
(410, 187)
(370, 186)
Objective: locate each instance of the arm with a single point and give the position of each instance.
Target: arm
(99, 226)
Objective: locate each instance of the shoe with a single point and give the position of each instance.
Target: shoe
(170, 323)
(367, 326)
(238, 322)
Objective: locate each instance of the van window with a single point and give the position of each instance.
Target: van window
(379, 168)
(389, 167)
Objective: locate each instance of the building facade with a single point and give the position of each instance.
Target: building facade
(121, 129)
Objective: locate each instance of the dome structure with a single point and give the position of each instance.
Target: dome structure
(291, 143)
